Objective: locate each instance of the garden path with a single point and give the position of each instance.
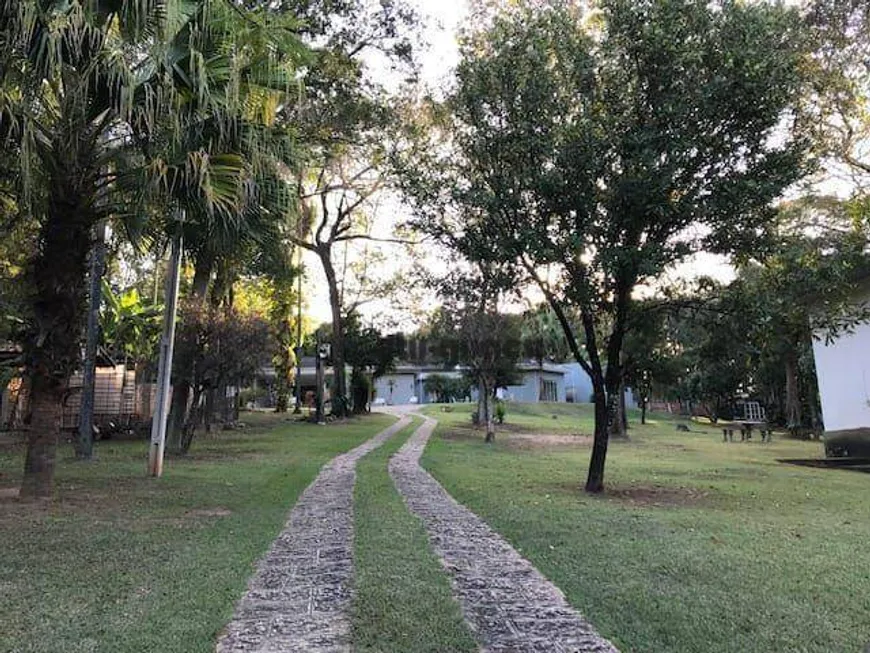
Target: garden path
(300, 597)
(510, 606)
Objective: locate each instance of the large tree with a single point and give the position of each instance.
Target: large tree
(123, 109)
(836, 112)
(595, 150)
(66, 69)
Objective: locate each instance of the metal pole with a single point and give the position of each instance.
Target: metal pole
(85, 442)
(164, 367)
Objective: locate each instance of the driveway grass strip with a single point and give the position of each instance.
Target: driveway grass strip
(403, 601)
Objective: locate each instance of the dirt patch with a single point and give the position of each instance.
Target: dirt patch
(7, 493)
(546, 441)
(522, 440)
(658, 495)
(462, 434)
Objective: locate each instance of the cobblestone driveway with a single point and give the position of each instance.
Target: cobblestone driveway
(300, 596)
(508, 603)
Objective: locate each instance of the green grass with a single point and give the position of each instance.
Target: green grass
(403, 601)
(561, 418)
(698, 545)
(122, 563)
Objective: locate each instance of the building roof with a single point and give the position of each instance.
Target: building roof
(431, 370)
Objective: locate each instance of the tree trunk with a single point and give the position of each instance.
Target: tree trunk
(201, 277)
(623, 413)
(58, 277)
(487, 413)
(643, 402)
(339, 385)
(84, 444)
(481, 404)
(179, 412)
(196, 415)
(595, 479)
(42, 438)
(607, 386)
(792, 393)
(226, 401)
(208, 410)
(616, 416)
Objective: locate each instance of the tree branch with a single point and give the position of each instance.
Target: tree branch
(375, 239)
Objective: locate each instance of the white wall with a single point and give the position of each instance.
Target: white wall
(403, 388)
(843, 369)
(530, 389)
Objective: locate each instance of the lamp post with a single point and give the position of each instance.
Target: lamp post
(321, 355)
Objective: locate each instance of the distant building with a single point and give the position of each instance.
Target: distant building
(843, 370)
(406, 384)
(578, 385)
(540, 383)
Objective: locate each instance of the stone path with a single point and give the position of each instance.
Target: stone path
(508, 603)
(299, 598)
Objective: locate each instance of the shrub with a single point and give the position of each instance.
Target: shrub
(500, 411)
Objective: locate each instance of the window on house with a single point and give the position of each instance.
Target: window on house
(549, 391)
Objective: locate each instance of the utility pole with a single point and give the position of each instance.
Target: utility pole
(164, 367)
(298, 408)
(85, 443)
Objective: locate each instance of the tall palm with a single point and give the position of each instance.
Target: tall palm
(225, 165)
(93, 93)
(64, 64)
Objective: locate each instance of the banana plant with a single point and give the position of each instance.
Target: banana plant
(129, 326)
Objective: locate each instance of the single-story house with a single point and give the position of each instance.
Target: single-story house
(539, 383)
(843, 371)
(406, 383)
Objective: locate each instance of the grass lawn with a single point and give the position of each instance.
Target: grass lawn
(124, 563)
(697, 545)
(403, 602)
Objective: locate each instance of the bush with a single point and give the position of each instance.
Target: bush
(251, 396)
(500, 411)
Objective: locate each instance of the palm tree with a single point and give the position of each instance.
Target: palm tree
(102, 100)
(65, 68)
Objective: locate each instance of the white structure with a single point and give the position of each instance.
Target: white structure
(406, 384)
(399, 386)
(539, 383)
(843, 369)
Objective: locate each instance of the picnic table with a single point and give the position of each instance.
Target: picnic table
(752, 416)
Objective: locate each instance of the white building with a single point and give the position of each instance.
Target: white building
(843, 370)
(406, 383)
(538, 383)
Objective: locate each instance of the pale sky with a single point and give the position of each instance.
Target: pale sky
(441, 19)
